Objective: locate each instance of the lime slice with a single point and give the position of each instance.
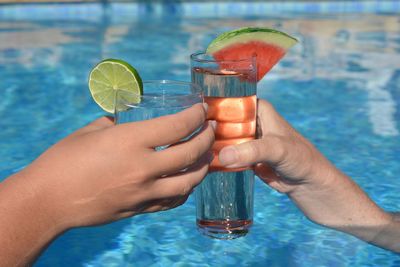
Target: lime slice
(111, 79)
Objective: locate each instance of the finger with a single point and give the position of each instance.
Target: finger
(98, 124)
(266, 110)
(169, 129)
(153, 206)
(181, 184)
(185, 154)
(270, 149)
(125, 214)
(166, 204)
(270, 122)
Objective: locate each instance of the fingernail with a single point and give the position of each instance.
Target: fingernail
(213, 124)
(205, 105)
(228, 156)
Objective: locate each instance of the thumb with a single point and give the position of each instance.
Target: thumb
(270, 149)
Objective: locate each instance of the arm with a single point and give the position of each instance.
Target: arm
(342, 205)
(292, 165)
(26, 226)
(100, 174)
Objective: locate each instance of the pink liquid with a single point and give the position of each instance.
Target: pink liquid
(236, 123)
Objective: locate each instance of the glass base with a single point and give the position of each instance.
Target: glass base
(224, 229)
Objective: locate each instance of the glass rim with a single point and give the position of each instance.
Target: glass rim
(162, 97)
(165, 81)
(194, 57)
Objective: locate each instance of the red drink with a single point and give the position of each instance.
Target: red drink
(236, 123)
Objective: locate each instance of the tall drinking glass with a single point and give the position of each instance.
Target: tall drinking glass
(161, 97)
(224, 199)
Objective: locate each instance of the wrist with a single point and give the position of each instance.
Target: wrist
(322, 178)
(334, 200)
(27, 225)
(34, 198)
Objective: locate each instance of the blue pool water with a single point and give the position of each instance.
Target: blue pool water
(340, 87)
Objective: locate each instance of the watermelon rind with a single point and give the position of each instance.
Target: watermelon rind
(248, 34)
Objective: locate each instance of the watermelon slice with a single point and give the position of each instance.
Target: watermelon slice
(268, 45)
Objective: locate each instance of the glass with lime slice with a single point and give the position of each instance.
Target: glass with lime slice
(117, 88)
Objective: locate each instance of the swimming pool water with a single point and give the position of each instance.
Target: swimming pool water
(340, 87)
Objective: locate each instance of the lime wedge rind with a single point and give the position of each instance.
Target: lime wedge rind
(246, 34)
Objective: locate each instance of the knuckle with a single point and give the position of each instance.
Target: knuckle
(202, 114)
(199, 111)
(180, 126)
(210, 136)
(198, 176)
(265, 104)
(252, 152)
(142, 173)
(280, 150)
(199, 116)
(186, 189)
(206, 138)
(191, 157)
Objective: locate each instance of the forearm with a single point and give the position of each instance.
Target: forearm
(25, 225)
(342, 205)
(389, 236)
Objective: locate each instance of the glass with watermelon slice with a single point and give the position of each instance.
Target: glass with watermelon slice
(228, 73)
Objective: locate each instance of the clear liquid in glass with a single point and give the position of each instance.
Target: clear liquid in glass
(224, 199)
